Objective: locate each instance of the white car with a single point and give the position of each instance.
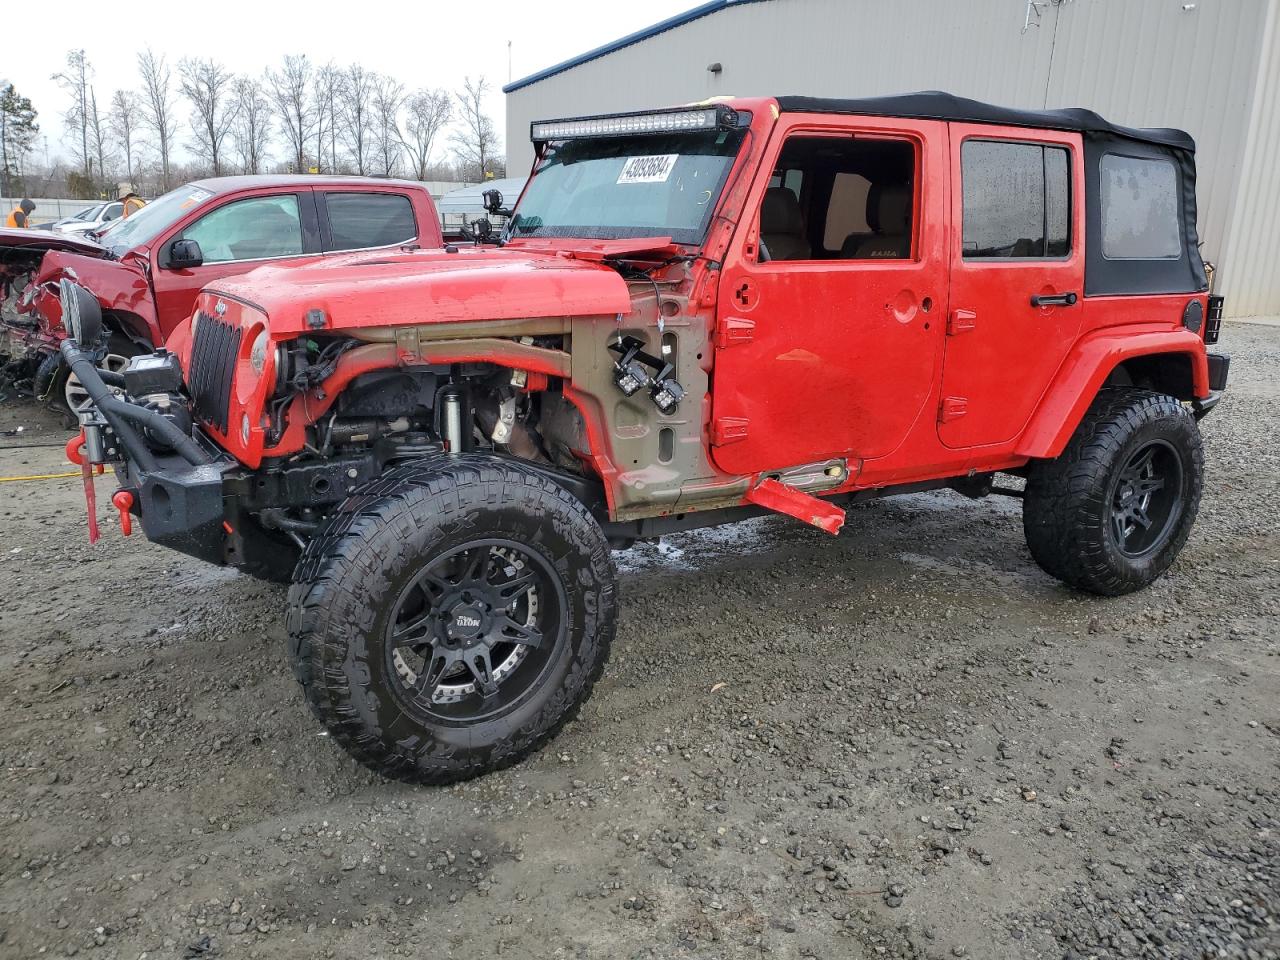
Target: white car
(89, 219)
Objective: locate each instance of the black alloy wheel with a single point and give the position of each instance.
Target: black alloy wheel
(473, 632)
(1147, 499)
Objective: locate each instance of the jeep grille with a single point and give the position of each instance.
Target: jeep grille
(213, 366)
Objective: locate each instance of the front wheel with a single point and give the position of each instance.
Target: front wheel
(1112, 512)
(452, 617)
(67, 394)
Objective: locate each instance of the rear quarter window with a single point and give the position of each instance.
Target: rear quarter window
(1139, 200)
(360, 220)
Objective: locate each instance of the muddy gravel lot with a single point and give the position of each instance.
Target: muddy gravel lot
(903, 742)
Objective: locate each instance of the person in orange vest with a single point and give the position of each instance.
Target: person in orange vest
(20, 215)
(132, 203)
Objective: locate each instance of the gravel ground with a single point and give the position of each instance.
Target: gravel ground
(904, 742)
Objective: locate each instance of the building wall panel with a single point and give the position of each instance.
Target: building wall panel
(1139, 62)
(1250, 276)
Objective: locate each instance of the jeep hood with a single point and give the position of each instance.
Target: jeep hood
(405, 287)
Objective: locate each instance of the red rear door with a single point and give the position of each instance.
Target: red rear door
(1017, 277)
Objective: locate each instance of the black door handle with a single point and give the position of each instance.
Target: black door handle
(1055, 300)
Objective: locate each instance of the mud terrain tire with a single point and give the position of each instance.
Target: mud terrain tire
(388, 539)
(1134, 464)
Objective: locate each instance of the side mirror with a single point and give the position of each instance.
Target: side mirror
(493, 201)
(81, 314)
(185, 253)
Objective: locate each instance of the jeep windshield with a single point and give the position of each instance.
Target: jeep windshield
(146, 224)
(614, 188)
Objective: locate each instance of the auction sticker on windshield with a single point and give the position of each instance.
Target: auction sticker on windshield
(653, 169)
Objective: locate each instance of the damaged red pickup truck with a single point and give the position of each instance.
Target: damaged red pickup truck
(693, 316)
(147, 270)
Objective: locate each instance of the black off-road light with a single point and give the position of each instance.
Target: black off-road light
(666, 392)
(653, 122)
(629, 376)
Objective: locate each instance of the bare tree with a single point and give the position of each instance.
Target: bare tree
(157, 107)
(475, 143)
(426, 113)
(251, 132)
(328, 84)
(207, 85)
(355, 112)
(388, 97)
(122, 120)
(75, 80)
(290, 91)
(99, 138)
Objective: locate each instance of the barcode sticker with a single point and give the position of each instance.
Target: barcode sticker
(655, 169)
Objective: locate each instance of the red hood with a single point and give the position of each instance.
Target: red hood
(48, 240)
(398, 288)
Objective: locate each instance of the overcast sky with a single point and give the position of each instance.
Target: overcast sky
(424, 44)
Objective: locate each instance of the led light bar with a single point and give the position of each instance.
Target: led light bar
(623, 124)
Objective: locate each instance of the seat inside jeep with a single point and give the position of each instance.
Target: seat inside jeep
(839, 199)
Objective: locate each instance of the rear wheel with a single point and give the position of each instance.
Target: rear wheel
(452, 617)
(1112, 512)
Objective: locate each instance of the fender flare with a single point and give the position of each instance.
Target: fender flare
(1087, 368)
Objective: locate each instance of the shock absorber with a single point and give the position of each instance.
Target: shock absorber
(455, 417)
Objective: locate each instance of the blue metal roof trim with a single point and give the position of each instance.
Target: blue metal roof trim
(679, 20)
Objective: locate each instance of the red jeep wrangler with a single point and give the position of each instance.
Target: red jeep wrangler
(693, 316)
(147, 270)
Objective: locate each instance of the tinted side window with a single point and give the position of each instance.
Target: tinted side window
(359, 220)
(113, 212)
(255, 229)
(1139, 199)
(1017, 200)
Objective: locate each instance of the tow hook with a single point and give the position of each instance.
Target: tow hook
(75, 450)
(122, 500)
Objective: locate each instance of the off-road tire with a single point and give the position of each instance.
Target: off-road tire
(1066, 512)
(379, 538)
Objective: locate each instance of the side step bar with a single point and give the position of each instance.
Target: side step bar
(772, 495)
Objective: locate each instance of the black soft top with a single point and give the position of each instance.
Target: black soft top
(935, 105)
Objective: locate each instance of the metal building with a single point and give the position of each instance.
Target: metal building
(1211, 67)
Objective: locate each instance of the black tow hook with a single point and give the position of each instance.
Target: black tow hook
(122, 415)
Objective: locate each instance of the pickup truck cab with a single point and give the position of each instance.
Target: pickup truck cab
(693, 316)
(147, 269)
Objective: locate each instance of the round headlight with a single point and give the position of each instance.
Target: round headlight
(258, 352)
(244, 429)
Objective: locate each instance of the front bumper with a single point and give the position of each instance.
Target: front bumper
(180, 505)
